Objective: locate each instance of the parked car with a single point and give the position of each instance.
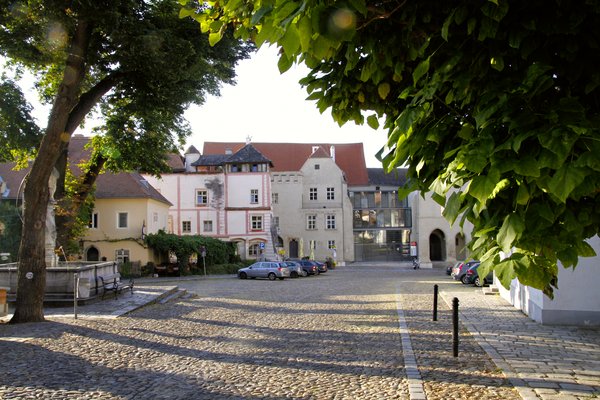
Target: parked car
(472, 276)
(322, 267)
(265, 269)
(460, 275)
(296, 269)
(451, 268)
(309, 266)
(167, 269)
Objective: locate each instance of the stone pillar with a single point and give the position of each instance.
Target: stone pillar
(51, 257)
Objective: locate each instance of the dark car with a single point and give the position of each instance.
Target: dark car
(472, 276)
(460, 275)
(166, 269)
(309, 266)
(296, 269)
(322, 267)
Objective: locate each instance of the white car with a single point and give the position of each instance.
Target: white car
(265, 269)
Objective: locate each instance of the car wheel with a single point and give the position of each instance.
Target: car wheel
(478, 282)
(464, 279)
(271, 276)
(304, 273)
(294, 274)
(243, 275)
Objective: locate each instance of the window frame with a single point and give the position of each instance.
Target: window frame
(254, 196)
(256, 223)
(205, 196)
(119, 214)
(311, 222)
(205, 223)
(93, 221)
(330, 223)
(313, 194)
(331, 193)
(187, 224)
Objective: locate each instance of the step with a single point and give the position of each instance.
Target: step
(173, 296)
(490, 290)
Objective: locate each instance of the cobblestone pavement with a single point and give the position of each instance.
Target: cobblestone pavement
(335, 336)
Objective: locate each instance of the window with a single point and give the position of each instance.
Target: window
(254, 250)
(201, 197)
(122, 220)
(311, 222)
(155, 217)
(330, 193)
(317, 166)
(254, 196)
(93, 221)
(331, 244)
(186, 226)
(275, 198)
(312, 193)
(122, 256)
(256, 222)
(312, 244)
(330, 222)
(208, 226)
(276, 221)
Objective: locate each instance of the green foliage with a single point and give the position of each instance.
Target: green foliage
(217, 251)
(493, 105)
(19, 134)
(10, 229)
(144, 67)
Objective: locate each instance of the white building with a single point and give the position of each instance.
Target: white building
(225, 196)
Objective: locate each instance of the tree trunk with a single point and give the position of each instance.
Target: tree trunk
(32, 264)
(72, 207)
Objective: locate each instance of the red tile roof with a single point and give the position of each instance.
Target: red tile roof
(349, 157)
(108, 185)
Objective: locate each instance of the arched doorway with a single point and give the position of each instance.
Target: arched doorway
(461, 246)
(293, 248)
(92, 254)
(437, 246)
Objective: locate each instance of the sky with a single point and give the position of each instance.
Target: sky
(267, 107)
(271, 107)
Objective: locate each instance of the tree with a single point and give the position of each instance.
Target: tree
(493, 105)
(132, 61)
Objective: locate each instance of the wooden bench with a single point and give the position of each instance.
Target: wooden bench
(113, 283)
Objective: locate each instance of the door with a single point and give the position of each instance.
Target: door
(293, 248)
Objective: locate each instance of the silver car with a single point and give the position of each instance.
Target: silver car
(265, 269)
(296, 269)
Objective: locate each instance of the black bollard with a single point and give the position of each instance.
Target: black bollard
(455, 327)
(435, 301)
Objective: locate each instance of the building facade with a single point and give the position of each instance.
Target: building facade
(225, 196)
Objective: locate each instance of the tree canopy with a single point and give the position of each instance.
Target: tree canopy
(493, 106)
(133, 62)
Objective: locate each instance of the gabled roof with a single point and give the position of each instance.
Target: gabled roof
(377, 176)
(320, 153)
(349, 157)
(175, 162)
(191, 150)
(108, 185)
(126, 185)
(247, 154)
(211, 160)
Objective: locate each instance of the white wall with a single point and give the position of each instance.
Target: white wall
(576, 302)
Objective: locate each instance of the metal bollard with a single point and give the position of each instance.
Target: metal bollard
(455, 327)
(75, 294)
(435, 302)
